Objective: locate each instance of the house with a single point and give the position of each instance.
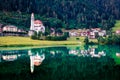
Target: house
(36, 26)
(73, 32)
(92, 35)
(117, 31)
(84, 33)
(95, 32)
(102, 33)
(11, 30)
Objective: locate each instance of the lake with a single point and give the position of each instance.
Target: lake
(61, 63)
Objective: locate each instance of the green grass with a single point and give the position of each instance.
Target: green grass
(15, 41)
(26, 41)
(117, 26)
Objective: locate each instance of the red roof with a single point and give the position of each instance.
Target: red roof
(38, 22)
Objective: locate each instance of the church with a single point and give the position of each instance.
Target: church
(36, 26)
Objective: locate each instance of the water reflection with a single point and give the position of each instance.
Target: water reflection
(10, 55)
(88, 52)
(35, 59)
(56, 63)
(118, 54)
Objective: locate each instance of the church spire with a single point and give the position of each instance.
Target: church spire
(32, 22)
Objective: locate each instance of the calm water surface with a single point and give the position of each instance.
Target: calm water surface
(61, 63)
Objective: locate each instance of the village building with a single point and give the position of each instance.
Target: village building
(90, 33)
(102, 33)
(117, 32)
(11, 30)
(84, 33)
(36, 26)
(73, 32)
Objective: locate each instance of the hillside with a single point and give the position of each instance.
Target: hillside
(67, 14)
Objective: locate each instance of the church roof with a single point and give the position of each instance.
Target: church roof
(38, 22)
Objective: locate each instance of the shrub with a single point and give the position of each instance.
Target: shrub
(86, 40)
(77, 38)
(101, 40)
(56, 38)
(34, 37)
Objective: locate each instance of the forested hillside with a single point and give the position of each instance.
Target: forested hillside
(61, 13)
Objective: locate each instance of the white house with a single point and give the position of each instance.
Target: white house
(10, 28)
(102, 33)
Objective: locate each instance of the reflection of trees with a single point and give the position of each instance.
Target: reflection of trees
(71, 67)
(56, 51)
(62, 66)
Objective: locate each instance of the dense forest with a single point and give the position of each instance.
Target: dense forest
(67, 14)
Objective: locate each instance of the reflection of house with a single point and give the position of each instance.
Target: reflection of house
(9, 57)
(118, 54)
(36, 25)
(0, 57)
(74, 52)
(92, 52)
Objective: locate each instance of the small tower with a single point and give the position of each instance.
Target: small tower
(31, 31)
(32, 22)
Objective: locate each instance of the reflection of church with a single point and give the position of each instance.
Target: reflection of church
(36, 26)
(35, 60)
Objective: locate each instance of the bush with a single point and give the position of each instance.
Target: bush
(86, 40)
(34, 37)
(101, 40)
(112, 39)
(77, 38)
(56, 38)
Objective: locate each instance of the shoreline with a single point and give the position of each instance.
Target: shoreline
(31, 47)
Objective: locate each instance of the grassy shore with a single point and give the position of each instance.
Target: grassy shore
(117, 26)
(14, 41)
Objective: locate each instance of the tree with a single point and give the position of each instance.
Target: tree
(86, 40)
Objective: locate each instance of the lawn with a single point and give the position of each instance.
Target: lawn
(26, 41)
(117, 26)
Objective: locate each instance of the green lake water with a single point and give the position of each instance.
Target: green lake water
(61, 63)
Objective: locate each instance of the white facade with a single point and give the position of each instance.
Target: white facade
(102, 33)
(10, 28)
(36, 25)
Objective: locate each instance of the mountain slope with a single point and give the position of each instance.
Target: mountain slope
(70, 13)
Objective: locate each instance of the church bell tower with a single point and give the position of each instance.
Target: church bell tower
(32, 22)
